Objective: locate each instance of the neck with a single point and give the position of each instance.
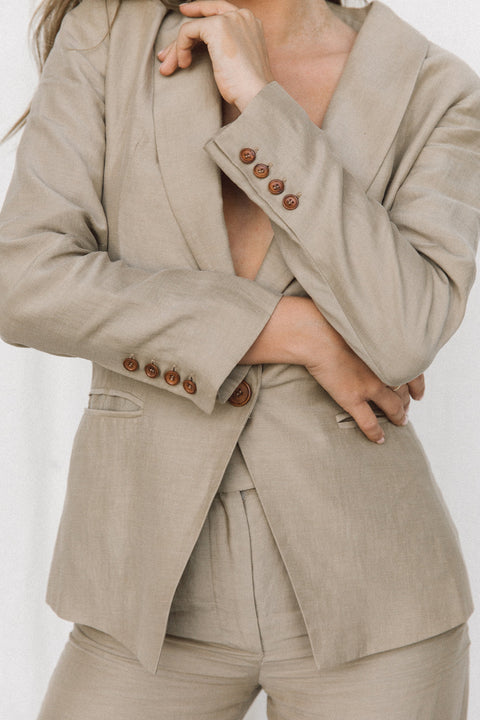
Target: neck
(290, 22)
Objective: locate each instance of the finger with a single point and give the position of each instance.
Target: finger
(368, 423)
(404, 395)
(170, 61)
(204, 8)
(190, 34)
(164, 51)
(392, 405)
(417, 387)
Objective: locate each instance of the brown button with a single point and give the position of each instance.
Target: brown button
(261, 170)
(152, 370)
(172, 377)
(276, 186)
(290, 202)
(190, 387)
(247, 155)
(130, 364)
(241, 395)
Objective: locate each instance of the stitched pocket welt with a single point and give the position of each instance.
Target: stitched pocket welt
(345, 420)
(114, 403)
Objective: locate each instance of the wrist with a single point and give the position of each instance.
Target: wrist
(253, 89)
(293, 334)
(310, 332)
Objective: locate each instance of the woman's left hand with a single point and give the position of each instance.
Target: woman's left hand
(236, 45)
(414, 389)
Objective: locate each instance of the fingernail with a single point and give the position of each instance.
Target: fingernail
(405, 420)
(381, 441)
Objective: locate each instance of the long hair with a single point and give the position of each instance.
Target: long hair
(43, 28)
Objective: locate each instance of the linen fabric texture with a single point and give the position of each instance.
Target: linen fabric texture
(234, 628)
(113, 243)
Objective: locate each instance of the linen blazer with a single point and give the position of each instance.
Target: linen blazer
(113, 245)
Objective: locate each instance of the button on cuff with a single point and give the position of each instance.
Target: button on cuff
(172, 377)
(261, 170)
(290, 202)
(276, 187)
(247, 155)
(190, 387)
(130, 364)
(152, 370)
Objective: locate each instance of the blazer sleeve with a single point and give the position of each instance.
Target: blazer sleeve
(393, 283)
(61, 293)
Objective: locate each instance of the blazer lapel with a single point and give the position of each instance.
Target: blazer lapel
(187, 111)
(369, 101)
(361, 121)
(368, 104)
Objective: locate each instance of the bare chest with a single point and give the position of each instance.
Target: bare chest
(249, 229)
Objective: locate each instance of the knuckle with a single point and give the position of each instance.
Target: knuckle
(357, 398)
(246, 13)
(182, 34)
(376, 388)
(220, 22)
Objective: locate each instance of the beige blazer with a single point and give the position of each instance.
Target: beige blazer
(113, 247)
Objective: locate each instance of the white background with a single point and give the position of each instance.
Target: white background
(43, 397)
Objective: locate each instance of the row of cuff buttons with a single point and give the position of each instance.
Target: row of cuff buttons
(276, 187)
(240, 396)
(152, 371)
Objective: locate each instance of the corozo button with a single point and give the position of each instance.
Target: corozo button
(261, 170)
(290, 202)
(152, 370)
(189, 386)
(130, 364)
(247, 155)
(241, 395)
(276, 187)
(172, 377)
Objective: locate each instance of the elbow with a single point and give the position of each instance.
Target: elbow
(11, 328)
(15, 321)
(414, 345)
(405, 364)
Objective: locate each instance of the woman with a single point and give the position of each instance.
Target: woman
(258, 221)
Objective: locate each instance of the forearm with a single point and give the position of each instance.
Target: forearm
(295, 331)
(423, 241)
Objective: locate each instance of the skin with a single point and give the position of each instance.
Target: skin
(302, 45)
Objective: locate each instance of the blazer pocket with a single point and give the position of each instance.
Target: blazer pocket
(113, 403)
(345, 420)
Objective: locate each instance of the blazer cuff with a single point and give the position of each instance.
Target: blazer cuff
(282, 135)
(224, 373)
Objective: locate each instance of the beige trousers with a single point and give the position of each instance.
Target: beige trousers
(234, 628)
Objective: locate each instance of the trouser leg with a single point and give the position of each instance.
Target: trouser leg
(209, 663)
(97, 678)
(427, 680)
